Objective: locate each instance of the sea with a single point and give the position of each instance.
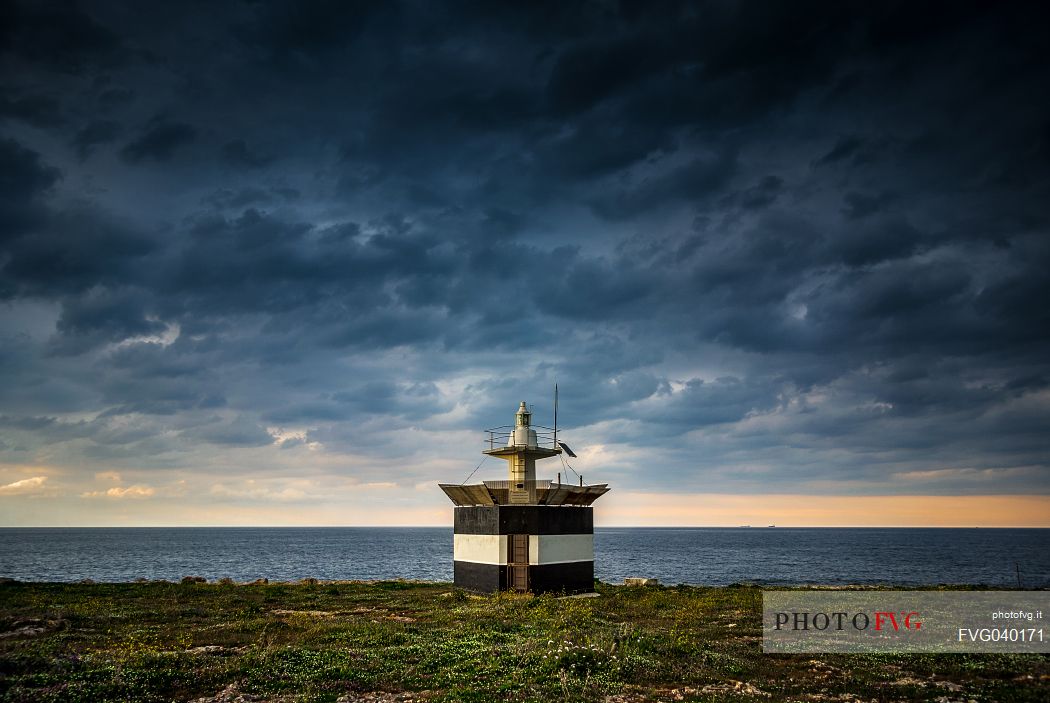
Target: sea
(706, 556)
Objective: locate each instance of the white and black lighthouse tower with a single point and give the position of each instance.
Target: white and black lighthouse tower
(524, 534)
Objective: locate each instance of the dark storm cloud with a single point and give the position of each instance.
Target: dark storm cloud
(93, 134)
(105, 315)
(693, 181)
(810, 235)
(237, 153)
(845, 148)
(37, 110)
(159, 141)
(59, 35)
(71, 251)
(24, 179)
(240, 432)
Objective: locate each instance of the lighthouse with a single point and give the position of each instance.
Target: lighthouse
(524, 533)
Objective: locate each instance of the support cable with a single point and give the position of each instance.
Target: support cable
(475, 469)
(566, 465)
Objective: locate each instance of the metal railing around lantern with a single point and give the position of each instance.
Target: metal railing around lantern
(498, 437)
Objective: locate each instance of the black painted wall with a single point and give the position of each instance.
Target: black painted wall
(524, 519)
(573, 577)
(570, 577)
(481, 578)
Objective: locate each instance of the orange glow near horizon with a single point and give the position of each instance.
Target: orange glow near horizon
(617, 509)
(701, 509)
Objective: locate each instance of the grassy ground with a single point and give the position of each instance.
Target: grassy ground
(428, 642)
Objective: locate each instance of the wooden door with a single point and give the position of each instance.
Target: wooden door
(518, 562)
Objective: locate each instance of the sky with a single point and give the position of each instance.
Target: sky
(280, 263)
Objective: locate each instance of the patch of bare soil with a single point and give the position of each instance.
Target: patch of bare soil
(738, 688)
(380, 612)
(232, 694)
(730, 688)
(384, 697)
(32, 628)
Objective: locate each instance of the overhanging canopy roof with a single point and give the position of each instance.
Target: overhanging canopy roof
(547, 493)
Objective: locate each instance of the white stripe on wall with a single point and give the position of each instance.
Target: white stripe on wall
(543, 549)
(480, 549)
(560, 549)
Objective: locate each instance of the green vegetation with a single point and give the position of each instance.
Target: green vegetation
(377, 641)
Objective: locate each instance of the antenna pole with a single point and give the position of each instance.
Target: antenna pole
(555, 415)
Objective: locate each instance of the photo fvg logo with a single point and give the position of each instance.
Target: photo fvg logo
(877, 621)
(904, 621)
